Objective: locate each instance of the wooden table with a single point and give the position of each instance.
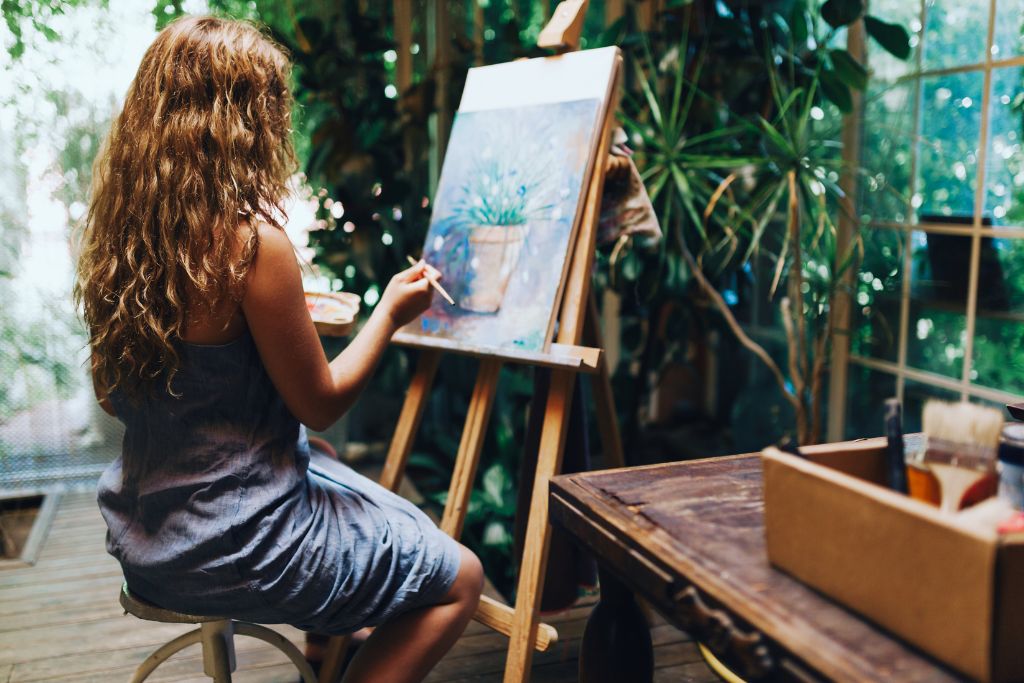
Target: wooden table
(689, 537)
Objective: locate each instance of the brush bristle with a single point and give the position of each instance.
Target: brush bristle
(962, 422)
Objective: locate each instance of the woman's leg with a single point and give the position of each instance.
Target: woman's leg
(406, 648)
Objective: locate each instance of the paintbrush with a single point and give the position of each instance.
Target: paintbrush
(894, 452)
(433, 282)
(961, 447)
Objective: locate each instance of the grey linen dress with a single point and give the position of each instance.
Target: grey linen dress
(237, 516)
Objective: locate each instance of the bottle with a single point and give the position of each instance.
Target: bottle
(1011, 465)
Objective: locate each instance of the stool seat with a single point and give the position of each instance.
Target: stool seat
(216, 636)
(143, 609)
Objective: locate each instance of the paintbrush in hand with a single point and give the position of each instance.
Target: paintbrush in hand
(433, 282)
(961, 449)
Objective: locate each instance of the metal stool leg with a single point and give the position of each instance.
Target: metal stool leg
(165, 651)
(218, 638)
(281, 643)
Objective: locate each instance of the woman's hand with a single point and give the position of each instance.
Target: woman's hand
(408, 294)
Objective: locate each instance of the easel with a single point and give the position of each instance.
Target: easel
(578, 323)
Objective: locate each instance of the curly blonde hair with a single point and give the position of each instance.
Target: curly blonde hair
(203, 142)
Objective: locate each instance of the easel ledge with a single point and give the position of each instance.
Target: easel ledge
(586, 359)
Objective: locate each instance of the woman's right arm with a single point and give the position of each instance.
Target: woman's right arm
(318, 392)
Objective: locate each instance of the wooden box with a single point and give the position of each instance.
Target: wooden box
(953, 590)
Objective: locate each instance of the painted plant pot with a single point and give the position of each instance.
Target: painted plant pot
(493, 255)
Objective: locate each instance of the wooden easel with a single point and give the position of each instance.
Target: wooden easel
(578, 324)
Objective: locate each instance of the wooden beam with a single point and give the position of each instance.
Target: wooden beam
(499, 617)
(562, 32)
(839, 368)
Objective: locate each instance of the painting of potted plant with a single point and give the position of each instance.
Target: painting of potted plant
(503, 218)
(499, 201)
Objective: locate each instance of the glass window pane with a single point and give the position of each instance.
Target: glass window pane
(877, 291)
(866, 392)
(1008, 38)
(955, 32)
(938, 303)
(999, 327)
(914, 396)
(1004, 178)
(905, 13)
(948, 146)
(886, 152)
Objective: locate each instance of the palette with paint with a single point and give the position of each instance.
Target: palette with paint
(333, 313)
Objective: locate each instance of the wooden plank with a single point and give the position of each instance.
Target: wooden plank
(99, 662)
(409, 419)
(487, 666)
(82, 614)
(58, 595)
(470, 445)
(12, 580)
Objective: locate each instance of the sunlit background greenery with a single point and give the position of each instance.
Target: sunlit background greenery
(685, 387)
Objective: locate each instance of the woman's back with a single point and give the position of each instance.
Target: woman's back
(210, 482)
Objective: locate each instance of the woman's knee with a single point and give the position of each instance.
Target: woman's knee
(469, 582)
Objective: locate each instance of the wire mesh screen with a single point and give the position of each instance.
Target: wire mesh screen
(52, 431)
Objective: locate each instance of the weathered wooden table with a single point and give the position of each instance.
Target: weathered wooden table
(689, 537)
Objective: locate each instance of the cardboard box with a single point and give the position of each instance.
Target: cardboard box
(954, 591)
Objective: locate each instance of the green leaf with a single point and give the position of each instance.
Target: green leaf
(892, 37)
(496, 482)
(496, 535)
(798, 24)
(842, 12)
(836, 91)
(848, 69)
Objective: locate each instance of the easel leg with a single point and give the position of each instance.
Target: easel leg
(538, 531)
(409, 419)
(470, 446)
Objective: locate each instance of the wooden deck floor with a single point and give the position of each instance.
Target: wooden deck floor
(60, 621)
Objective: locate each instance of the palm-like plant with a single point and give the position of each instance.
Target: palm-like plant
(732, 187)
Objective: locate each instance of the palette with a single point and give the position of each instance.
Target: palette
(333, 313)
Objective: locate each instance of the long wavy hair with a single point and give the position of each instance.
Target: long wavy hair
(202, 144)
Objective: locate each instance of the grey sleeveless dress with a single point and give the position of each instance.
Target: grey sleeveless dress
(238, 517)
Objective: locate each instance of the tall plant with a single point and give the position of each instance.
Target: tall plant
(745, 172)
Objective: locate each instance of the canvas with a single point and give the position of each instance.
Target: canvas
(508, 201)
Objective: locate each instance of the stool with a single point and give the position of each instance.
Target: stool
(215, 634)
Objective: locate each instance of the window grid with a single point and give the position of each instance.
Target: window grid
(900, 369)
